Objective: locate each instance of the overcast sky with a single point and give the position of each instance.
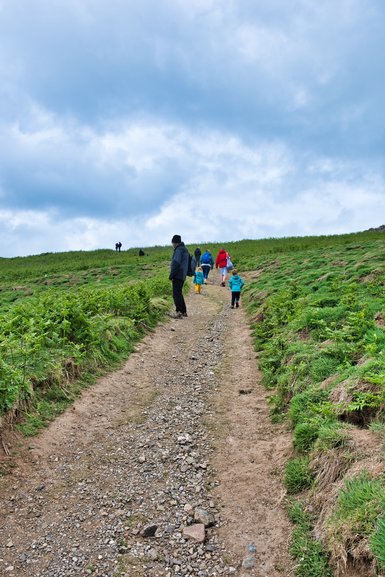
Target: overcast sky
(214, 119)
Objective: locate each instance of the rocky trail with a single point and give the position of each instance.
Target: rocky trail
(168, 467)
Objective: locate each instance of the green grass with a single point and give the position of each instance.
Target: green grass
(330, 435)
(298, 475)
(317, 312)
(360, 514)
(377, 543)
(310, 555)
(317, 316)
(306, 434)
(359, 506)
(50, 341)
(318, 323)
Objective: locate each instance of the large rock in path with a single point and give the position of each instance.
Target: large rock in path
(195, 532)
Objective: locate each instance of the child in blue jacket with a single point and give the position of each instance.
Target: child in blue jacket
(235, 283)
(199, 280)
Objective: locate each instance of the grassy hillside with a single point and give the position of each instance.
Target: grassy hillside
(65, 317)
(25, 276)
(317, 310)
(318, 318)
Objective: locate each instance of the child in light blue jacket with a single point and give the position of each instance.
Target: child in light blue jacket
(235, 283)
(199, 280)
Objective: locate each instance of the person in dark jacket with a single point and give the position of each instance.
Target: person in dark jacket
(197, 254)
(178, 273)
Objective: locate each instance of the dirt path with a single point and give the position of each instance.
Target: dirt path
(175, 447)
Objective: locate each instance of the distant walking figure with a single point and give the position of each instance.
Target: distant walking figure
(118, 246)
(141, 252)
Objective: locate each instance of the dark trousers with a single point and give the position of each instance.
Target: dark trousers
(177, 295)
(206, 269)
(235, 296)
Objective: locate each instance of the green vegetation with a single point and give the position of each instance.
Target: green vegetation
(358, 506)
(298, 475)
(23, 277)
(318, 319)
(308, 552)
(317, 310)
(377, 543)
(75, 315)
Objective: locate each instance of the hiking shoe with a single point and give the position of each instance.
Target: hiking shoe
(237, 305)
(177, 315)
(232, 306)
(223, 284)
(184, 314)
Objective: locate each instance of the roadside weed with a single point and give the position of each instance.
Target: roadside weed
(298, 475)
(308, 552)
(377, 543)
(359, 505)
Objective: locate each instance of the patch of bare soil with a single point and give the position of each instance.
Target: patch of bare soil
(168, 467)
(250, 455)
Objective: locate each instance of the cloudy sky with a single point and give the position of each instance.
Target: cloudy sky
(214, 119)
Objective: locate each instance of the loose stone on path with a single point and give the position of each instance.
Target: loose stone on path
(127, 483)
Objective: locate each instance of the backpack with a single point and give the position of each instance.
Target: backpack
(192, 264)
(205, 258)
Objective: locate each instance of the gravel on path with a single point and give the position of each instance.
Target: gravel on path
(139, 478)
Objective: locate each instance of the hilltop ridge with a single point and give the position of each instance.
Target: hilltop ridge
(380, 228)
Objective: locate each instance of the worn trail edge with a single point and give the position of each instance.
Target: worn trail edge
(108, 488)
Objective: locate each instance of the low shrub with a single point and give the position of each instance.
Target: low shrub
(330, 435)
(306, 404)
(55, 338)
(305, 435)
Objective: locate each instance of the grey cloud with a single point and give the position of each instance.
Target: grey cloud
(116, 109)
(112, 58)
